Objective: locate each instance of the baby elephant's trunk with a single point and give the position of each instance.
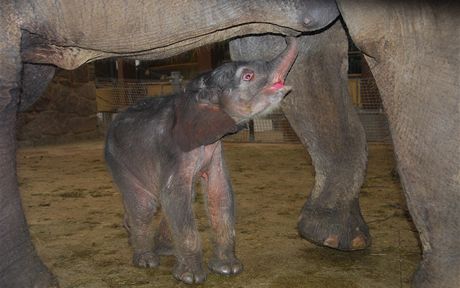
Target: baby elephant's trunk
(283, 62)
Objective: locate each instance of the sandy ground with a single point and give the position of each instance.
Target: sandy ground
(75, 216)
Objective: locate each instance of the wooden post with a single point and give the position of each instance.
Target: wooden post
(252, 134)
(204, 58)
(120, 70)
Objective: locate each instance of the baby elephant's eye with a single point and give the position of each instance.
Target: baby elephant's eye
(247, 75)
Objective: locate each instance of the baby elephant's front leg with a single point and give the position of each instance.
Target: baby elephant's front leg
(222, 216)
(176, 201)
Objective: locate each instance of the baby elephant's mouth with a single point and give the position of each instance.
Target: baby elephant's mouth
(278, 85)
(279, 92)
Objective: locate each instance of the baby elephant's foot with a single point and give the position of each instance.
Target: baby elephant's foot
(188, 274)
(146, 259)
(230, 266)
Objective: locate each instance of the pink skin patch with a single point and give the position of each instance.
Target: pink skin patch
(277, 85)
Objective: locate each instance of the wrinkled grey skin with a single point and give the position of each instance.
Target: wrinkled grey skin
(412, 48)
(178, 142)
(323, 117)
(68, 34)
(413, 52)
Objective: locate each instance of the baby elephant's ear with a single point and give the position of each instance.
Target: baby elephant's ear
(201, 124)
(208, 96)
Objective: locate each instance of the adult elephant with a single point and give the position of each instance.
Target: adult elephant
(413, 51)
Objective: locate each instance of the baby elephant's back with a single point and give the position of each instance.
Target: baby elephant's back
(139, 133)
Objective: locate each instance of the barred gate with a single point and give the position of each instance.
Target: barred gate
(113, 95)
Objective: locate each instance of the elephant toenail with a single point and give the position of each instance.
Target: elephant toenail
(225, 270)
(187, 278)
(359, 242)
(332, 241)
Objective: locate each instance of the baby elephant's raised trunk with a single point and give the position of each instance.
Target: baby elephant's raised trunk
(283, 62)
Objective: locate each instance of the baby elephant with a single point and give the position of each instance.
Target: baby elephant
(158, 148)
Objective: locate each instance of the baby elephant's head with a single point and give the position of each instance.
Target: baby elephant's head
(246, 89)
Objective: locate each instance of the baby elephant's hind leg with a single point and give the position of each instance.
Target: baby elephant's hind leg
(140, 207)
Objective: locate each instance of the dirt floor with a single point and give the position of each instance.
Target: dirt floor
(75, 216)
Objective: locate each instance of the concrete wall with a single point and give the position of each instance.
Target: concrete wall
(66, 112)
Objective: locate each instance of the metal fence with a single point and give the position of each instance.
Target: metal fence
(270, 128)
(113, 95)
(367, 100)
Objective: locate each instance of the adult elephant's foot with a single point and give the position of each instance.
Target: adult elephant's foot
(43, 279)
(339, 228)
(438, 271)
(32, 273)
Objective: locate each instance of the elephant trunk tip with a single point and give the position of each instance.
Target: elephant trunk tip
(283, 63)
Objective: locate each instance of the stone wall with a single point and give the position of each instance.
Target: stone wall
(64, 113)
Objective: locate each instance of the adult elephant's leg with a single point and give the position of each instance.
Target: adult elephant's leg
(415, 60)
(20, 265)
(320, 111)
(35, 80)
